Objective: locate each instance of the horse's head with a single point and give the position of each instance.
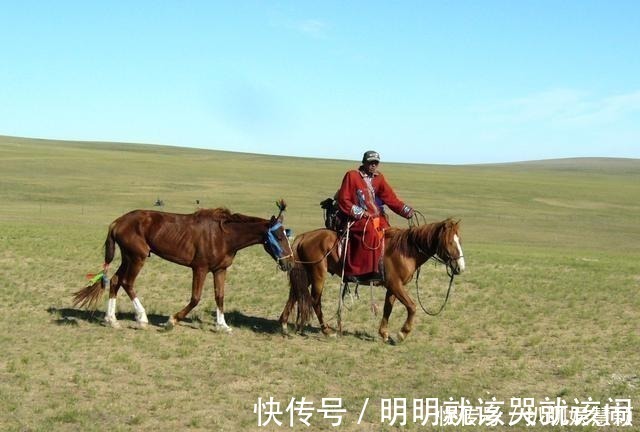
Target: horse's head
(450, 247)
(276, 240)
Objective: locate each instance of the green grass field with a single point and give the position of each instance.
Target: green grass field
(547, 308)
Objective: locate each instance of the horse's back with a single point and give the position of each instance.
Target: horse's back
(139, 221)
(321, 238)
(165, 234)
(317, 247)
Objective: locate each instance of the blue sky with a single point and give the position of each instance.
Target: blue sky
(450, 82)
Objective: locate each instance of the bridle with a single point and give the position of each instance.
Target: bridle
(274, 245)
(451, 272)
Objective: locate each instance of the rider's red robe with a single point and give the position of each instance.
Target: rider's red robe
(360, 192)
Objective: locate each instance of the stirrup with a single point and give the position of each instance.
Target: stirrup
(345, 290)
(367, 279)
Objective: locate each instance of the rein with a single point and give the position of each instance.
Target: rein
(436, 258)
(446, 299)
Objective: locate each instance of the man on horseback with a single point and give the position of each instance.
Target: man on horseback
(361, 199)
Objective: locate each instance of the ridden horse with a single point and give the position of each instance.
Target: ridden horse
(317, 252)
(206, 241)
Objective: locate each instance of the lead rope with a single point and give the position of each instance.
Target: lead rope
(446, 299)
(415, 222)
(343, 284)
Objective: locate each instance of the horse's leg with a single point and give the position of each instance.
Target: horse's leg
(288, 307)
(388, 307)
(300, 295)
(218, 282)
(199, 275)
(343, 287)
(284, 316)
(402, 295)
(134, 267)
(317, 286)
(114, 285)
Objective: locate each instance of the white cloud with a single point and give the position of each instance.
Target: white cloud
(312, 27)
(561, 108)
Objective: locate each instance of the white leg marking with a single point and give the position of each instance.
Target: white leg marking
(461, 264)
(141, 314)
(170, 324)
(110, 318)
(221, 323)
(111, 308)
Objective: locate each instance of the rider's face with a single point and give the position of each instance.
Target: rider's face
(371, 167)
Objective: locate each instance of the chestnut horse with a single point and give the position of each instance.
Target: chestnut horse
(318, 252)
(206, 241)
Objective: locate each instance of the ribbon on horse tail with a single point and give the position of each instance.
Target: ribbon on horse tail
(94, 278)
(101, 276)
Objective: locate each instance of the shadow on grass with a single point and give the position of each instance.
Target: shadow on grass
(256, 324)
(235, 318)
(263, 325)
(70, 316)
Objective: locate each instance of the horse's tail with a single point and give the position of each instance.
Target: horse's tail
(110, 245)
(89, 296)
(299, 293)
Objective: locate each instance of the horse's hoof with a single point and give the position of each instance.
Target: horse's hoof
(285, 330)
(401, 336)
(170, 324)
(328, 333)
(142, 325)
(111, 322)
(223, 329)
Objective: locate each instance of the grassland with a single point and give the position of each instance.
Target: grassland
(548, 307)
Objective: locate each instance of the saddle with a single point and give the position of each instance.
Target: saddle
(336, 221)
(375, 279)
(333, 218)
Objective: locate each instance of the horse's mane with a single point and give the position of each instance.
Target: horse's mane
(223, 214)
(404, 241)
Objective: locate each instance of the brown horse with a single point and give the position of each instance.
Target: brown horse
(318, 252)
(206, 241)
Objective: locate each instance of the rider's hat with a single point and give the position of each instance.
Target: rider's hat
(370, 156)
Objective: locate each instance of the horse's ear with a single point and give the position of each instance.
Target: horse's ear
(456, 224)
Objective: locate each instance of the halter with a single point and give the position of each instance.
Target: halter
(274, 245)
(436, 258)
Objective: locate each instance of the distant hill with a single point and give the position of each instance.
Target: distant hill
(534, 203)
(580, 163)
(577, 163)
